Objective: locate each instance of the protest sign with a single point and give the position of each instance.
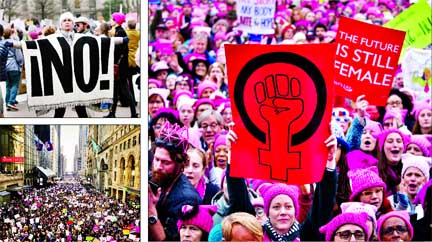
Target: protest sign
(366, 60)
(416, 21)
(61, 75)
(281, 98)
(256, 16)
(416, 71)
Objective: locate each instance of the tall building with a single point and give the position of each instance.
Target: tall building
(31, 155)
(58, 149)
(76, 159)
(11, 160)
(54, 154)
(82, 148)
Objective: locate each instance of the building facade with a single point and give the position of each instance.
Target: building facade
(115, 165)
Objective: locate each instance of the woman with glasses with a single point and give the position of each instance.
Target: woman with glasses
(395, 226)
(157, 100)
(346, 227)
(399, 100)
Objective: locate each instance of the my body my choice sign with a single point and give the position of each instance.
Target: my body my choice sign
(60, 75)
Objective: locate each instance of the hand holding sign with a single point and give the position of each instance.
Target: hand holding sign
(286, 107)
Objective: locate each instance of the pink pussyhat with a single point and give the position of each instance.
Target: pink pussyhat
(119, 18)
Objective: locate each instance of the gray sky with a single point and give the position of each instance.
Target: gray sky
(68, 139)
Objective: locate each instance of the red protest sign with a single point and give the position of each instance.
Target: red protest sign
(366, 60)
(281, 98)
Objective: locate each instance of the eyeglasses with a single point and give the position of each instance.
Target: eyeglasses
(369, 193)
(399, 229)
(157, 127)
(394, 103)
(212, 126)
(346, 235)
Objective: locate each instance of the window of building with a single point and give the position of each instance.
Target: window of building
(134, 141)
(129, 144)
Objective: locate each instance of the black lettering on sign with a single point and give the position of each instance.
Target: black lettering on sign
(105, 47)
(63, 69)
(79, 63)
(36, 86)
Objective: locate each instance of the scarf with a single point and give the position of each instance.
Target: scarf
(201, 187)
(291, 235)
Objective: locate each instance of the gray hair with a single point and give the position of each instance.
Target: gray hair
(207, 114)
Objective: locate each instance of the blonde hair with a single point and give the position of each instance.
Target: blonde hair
(246, 220)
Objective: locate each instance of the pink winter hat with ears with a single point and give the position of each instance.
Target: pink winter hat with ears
(358, 219)
(398, 214)
(422, 142)
(281, 189)
(382, 137)
(119, 18)
(204, 85)
(420, 106)
(201, 218)
(363, 179)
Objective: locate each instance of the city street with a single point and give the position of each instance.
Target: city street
(71, 210)
(23, 112)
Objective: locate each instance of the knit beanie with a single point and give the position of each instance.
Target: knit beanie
(420, 106)
(358, 159)
(203, 101)
(393, 113)
(119, 18)
(419, 162)
(204, 85)
(374, 127)
(215, 234)
(181, 93)
(362, 179)
(342, 219)
(162, 92)
(382, 137)
(359, 207)
(202, 219)
(278, 189)
(421, 141)
(66, 15)
(156, 82)
(220, 139)
(399, 214)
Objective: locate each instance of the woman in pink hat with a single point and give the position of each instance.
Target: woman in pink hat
(196, 222)
(423, 117)
(395, 226)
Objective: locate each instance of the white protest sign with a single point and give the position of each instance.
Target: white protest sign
(256, 16)
(416, 69)
(61, 75)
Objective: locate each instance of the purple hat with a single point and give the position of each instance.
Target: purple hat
(166, 110)
(256, 183)
(180, 93)
(421, 195)
(204, 85)
(219, 36)
(119, 18)
(362, 179)
(302, 23)
(357, 159)
(374, 127)
(419, 162)
(342, 219)
(202, 219)
(398, 214)
(159, 66)
(382, 137)
(193, 56)
(203, 101)
(220, 139)
(156, 82)
(422, 142)
(373, 11)
(278, 189)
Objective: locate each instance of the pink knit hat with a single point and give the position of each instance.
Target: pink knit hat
(362, 179)
(180, 93)
(392, 113)
(162, 92)
(382, 137)
(359, 207)
(374, 127)
(159, 66)
(278, 189)
(204, 85)
(419, 162)
(420, 106)
(421, 141)
(119, 18)
(203, 219)
(203, 101)
(399, 214)
(342, 219)
(220, 139)
(357, 159)
(156, 82)
(194, 138)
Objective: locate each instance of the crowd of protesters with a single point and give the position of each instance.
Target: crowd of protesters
(376, 183)
(68, 212)
(124, 30)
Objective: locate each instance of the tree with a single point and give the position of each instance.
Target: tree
(111, 6)
(44, 9)
(9, 7)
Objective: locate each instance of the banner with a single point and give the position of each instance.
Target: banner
(281, 98)
(366, 60)
(61, 75)
(8, 159)
(417, 74)
(256, 16)
(416, 21)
